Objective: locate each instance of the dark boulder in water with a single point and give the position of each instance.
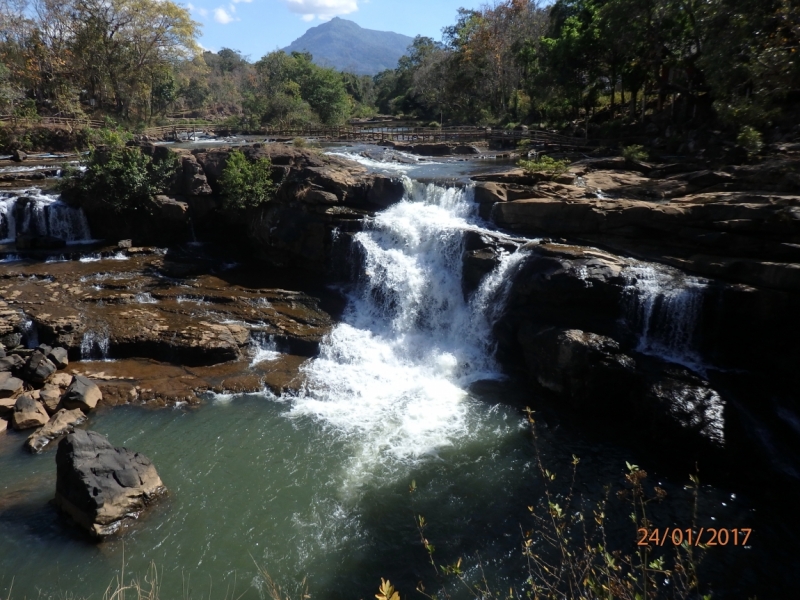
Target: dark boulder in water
(102, 487)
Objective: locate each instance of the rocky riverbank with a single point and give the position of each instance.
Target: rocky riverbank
(700, 354)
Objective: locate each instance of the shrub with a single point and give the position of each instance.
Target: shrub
(246, 184)
(567, 553)
(750, 139)
(123, 177)
(544, 165)
(635, 152)
(300, 142)
(434, 124)
(108, 136)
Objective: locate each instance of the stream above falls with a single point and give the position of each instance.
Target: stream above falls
(311, 480)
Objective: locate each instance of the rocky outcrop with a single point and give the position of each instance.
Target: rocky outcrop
(316, 196)
(605, 385)
(432, 148)
(100, 487)
(740, 225)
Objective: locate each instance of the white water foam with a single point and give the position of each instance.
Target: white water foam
(385, 165)
(392, 377)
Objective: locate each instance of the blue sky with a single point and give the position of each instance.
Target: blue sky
(256, 27)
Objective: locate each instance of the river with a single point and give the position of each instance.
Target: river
(314, 485)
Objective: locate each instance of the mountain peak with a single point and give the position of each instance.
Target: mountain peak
(346, 46)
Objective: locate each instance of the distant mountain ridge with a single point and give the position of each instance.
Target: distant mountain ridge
(346, 46)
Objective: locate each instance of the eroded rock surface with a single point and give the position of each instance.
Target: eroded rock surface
(101, 487)
(61, 423)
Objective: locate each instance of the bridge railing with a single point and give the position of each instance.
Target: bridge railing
(93, 124)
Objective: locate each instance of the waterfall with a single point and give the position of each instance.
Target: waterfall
(663, 307)
(392, 376)
(94, 345)
(31, 212)
(266, 348)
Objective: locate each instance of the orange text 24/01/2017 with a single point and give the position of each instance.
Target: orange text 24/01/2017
(710, 536)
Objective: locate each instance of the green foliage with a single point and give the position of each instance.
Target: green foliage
(635, 152)
(246, 184)
(750, 139)
(106, 136)
(123, 177)
(544, 165)
(300, 142)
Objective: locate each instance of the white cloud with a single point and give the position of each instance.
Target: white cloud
(322, 9)
(222, 16)
(200, 11)
(245, 1)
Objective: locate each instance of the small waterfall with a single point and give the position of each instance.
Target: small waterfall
(31, 212)
(144, 298)
(30, 334)
(664, 307)
(392, 376)
(94, 345)
(266, 348)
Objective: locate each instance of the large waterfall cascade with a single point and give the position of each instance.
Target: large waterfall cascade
(393, 374)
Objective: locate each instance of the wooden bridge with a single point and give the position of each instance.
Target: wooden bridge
(68, 122)
(376, 134)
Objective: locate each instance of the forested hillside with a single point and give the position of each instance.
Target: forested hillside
(614, 63)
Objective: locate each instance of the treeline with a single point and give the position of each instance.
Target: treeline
(514, 61)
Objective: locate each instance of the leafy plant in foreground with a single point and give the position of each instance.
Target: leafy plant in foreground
(544, 164)
(123, 177)
(635, 152)
(750, 139)
(246, 184)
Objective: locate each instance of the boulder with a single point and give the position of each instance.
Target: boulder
(59, 357)
(170, 209)
(9, 385)
(101, 487)
(18, 156)
(37, 369)
(82, 393)
(50, 395)
(125, 244)
(62, 380)
(61, 423)
(28, 413)
(7, 406)
(11, 362)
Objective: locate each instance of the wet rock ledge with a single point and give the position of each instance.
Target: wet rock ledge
(176, 325)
